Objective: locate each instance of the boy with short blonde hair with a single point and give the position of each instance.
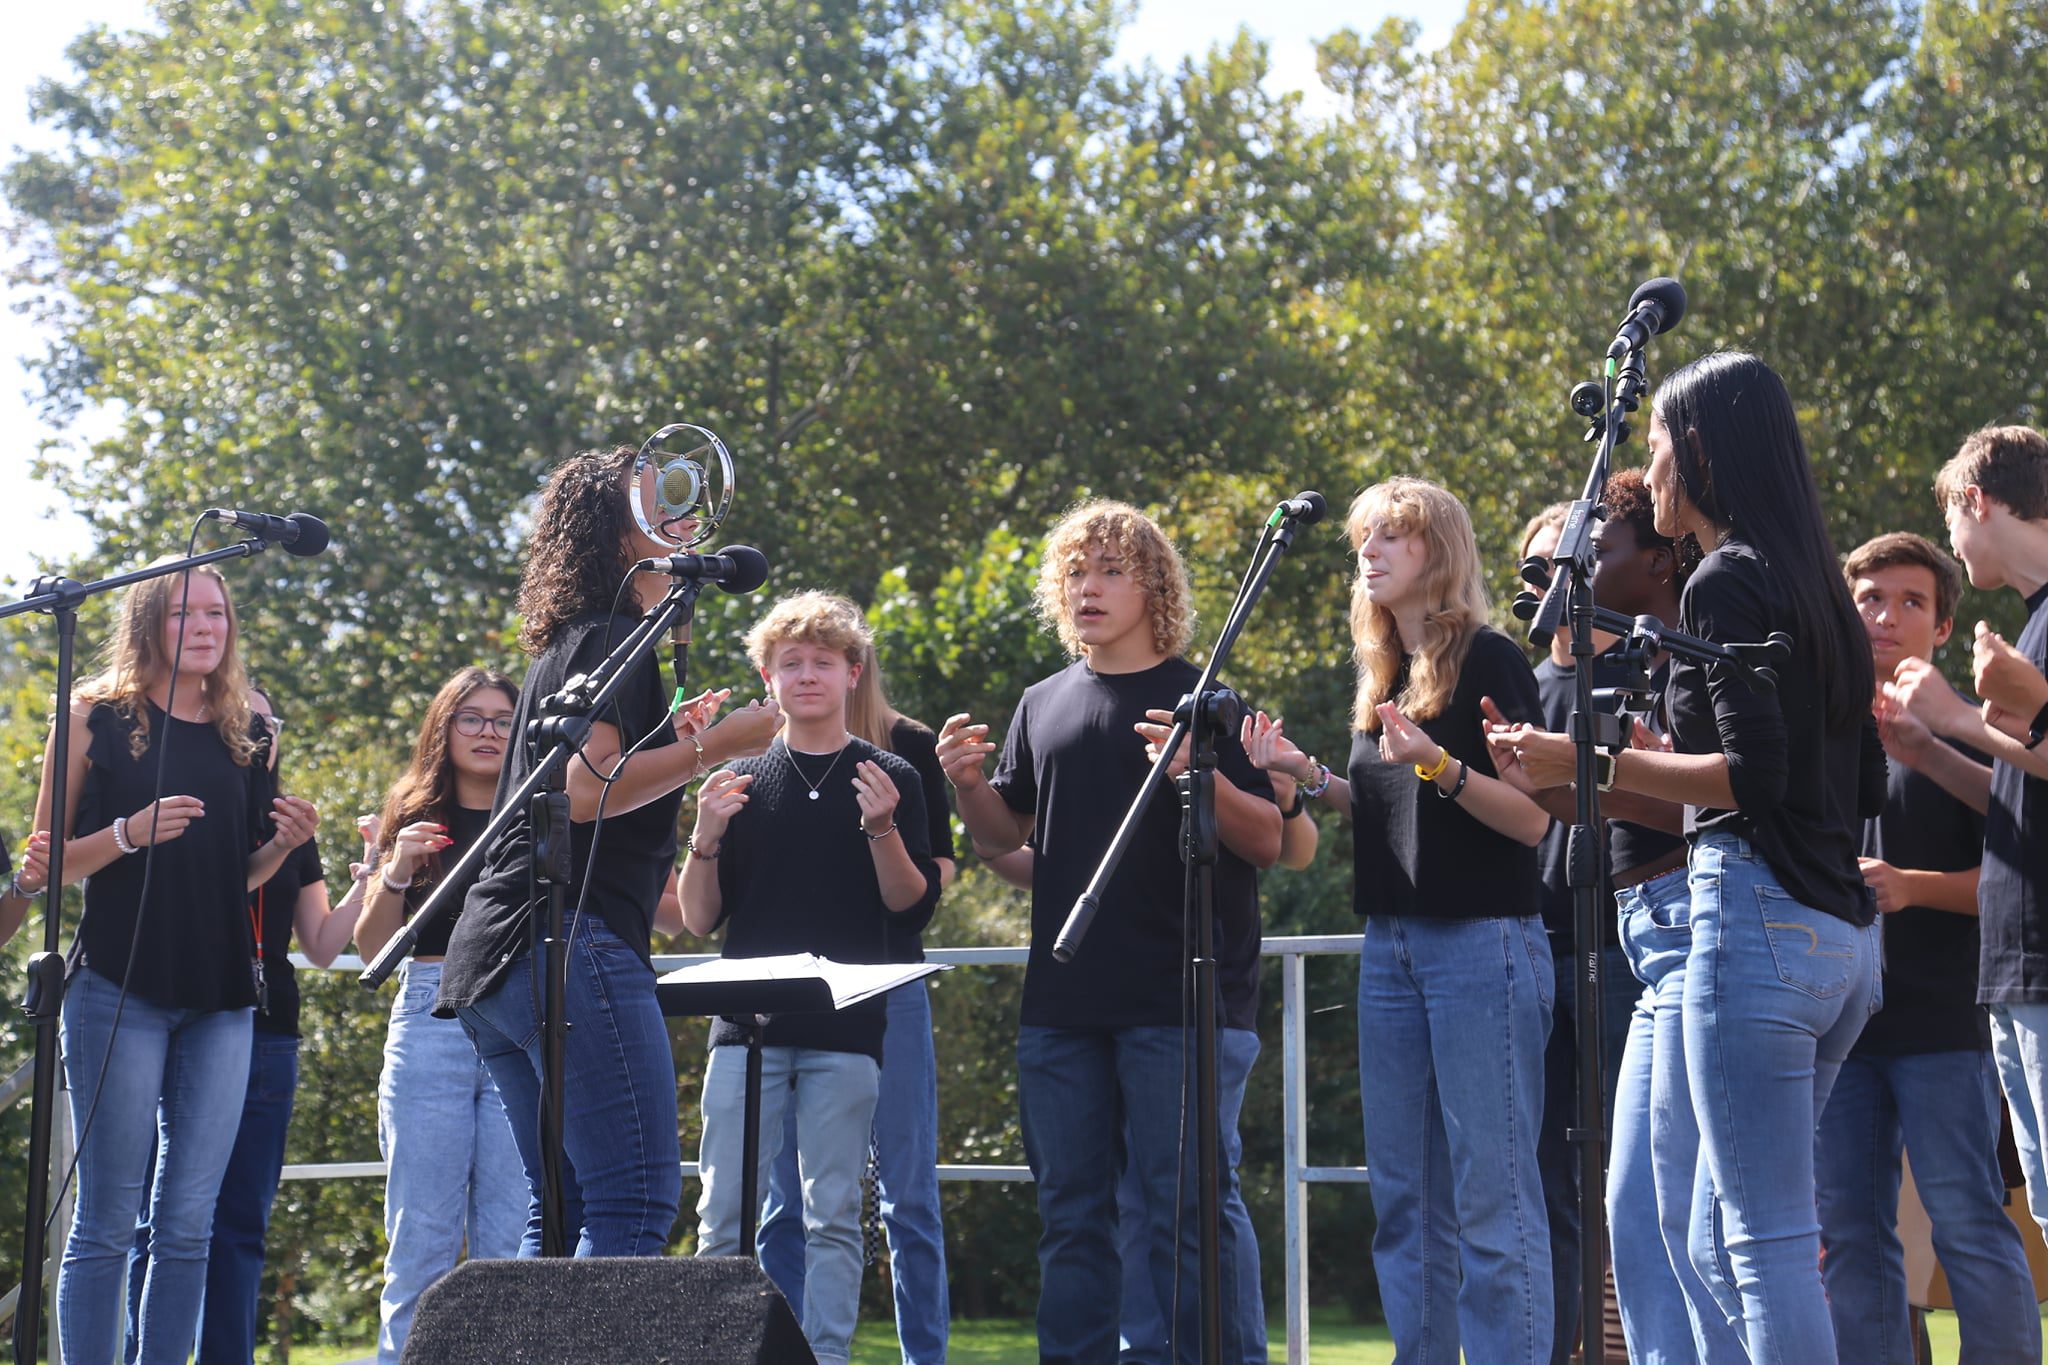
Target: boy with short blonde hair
(818, 846)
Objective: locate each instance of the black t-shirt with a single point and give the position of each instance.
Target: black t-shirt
(195, 949)
(795, 875)
(916, 745)
(1802, 787)
(1072, 760)
(2012, 894)
(274, 906)
(498, 925)
(1930, 956)
(464, 825)
(1414, 850)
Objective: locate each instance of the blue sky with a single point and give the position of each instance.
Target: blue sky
(34, 528)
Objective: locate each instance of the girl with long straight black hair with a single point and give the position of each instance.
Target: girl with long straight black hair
(1781, 966)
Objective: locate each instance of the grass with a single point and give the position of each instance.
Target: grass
(1333, 1340)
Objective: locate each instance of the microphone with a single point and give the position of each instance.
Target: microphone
(1306, 507)
(737, 568)
(1655, 307)
(301, 533)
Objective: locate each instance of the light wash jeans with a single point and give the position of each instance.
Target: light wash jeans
(834, 1095)
(454, 1167)
(1943, 1108)
(2019, 1045)
(1453, 1016)
(622, 1165)
(228, 1315)
(1143, 1327)
(175, 1082)
(1095, 1102)
(1654, 1158)
(907, 1164)
(1776, 993)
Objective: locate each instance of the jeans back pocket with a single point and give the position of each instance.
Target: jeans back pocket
(1815, 952)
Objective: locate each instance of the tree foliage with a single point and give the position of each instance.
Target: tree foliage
(934, 269)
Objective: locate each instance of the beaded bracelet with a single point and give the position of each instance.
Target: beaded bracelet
(121, 835)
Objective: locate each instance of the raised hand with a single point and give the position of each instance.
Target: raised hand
(371, 827)
(1498, 730)
(2006, 678)
(1919, 689)
(1546, 758)
(961, 748)
(877, 796)
(747, 732)
(295, 818)
(1156, 726)
(1403, 741)
(1267, 745)
(416, 843)
(723, 795)
(163, 820)
(1906, 739)
(693, 717)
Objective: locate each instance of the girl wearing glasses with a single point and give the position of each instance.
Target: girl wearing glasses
(454, 1169)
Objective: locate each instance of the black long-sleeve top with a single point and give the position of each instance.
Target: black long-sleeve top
(1803, 788)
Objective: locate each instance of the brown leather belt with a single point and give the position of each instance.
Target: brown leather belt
(1656, 867)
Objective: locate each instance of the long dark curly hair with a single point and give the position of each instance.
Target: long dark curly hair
(577, 557)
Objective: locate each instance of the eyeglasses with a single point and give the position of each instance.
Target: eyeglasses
(474, 723)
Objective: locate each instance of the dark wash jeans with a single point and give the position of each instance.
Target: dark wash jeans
(622, 1162)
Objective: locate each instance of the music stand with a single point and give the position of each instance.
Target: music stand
(747, 991)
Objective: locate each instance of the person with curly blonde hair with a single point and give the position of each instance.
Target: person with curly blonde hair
(622, 1165)
(1455, 980)
(157, 1019)
(1101, 1052)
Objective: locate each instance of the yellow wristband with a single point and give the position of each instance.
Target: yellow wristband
(1432, 774)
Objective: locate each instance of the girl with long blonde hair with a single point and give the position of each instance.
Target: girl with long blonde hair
(1455, 979)
(157, 1017)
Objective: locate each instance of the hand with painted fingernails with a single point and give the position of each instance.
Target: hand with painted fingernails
(416, 843)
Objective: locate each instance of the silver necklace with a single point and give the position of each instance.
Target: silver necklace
(814, 786)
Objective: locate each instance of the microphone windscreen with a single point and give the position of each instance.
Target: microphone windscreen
(312, 538)
(1669, 295)
(1318, 505)
(750, 568)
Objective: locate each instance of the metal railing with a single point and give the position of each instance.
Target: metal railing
(1296, 1172)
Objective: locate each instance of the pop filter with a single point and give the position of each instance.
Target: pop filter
(683, 474)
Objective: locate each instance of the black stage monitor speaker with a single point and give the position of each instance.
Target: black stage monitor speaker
(612, 1310)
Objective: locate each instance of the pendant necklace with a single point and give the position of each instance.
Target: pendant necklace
(790, 754)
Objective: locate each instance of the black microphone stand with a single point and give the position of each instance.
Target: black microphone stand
(61, 598)
(542, 797)
(1570, 592)
(1202, 714)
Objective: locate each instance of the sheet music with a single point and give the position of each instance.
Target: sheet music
(849, 982)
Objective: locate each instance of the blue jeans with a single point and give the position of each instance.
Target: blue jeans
(906, 1162)
(833, 1094)
(1092, 1101)
(1655, 1154)
(1143, 1326)
(1452, 1020)
(1943, 1107)
(622, 1164)
(2019, 1045)
(1776, 993)
(1557, 1157)
(175, 1083)
(453, 1168)
(228, 1329)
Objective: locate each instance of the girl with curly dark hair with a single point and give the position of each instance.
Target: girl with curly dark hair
(621, 1172)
